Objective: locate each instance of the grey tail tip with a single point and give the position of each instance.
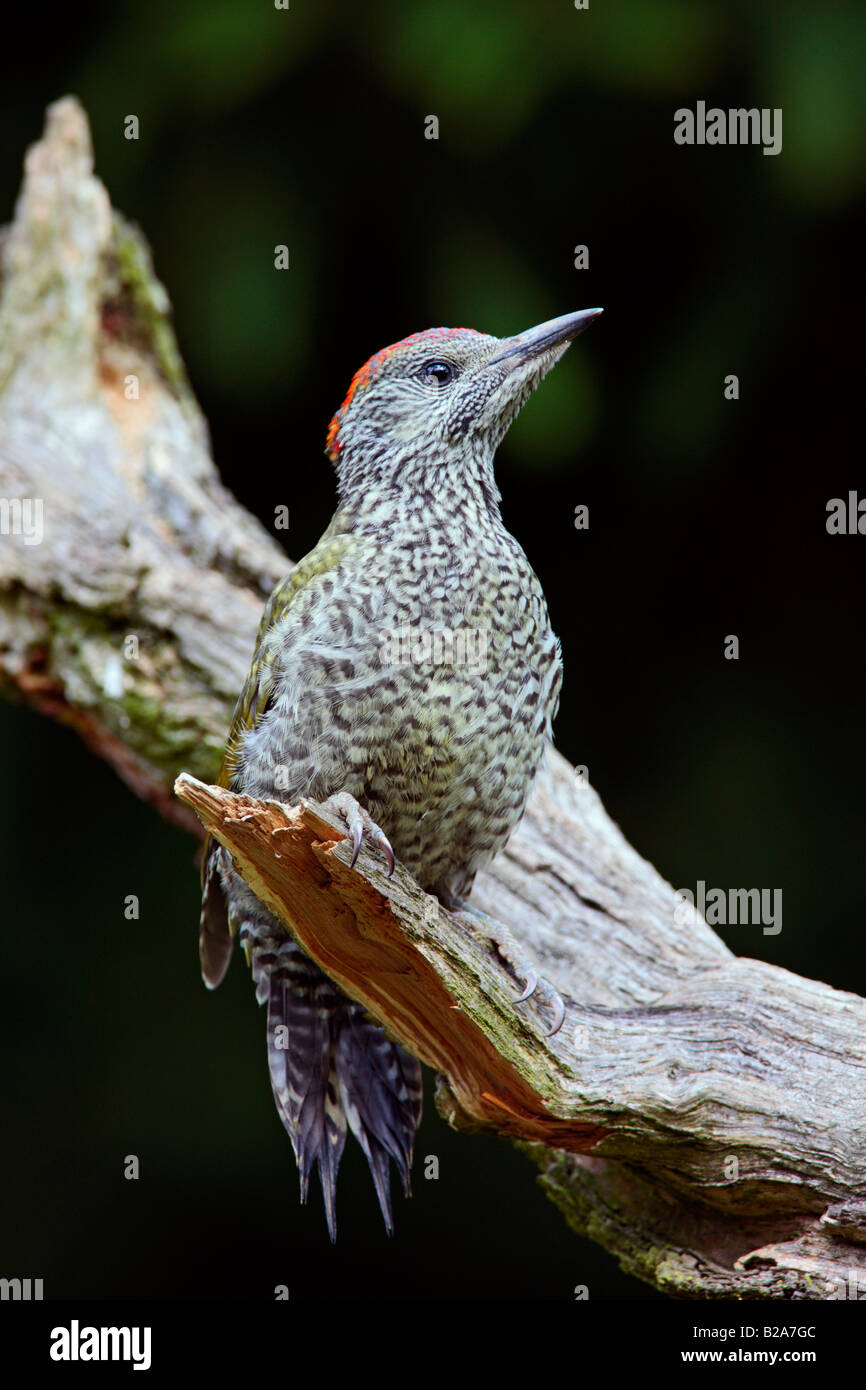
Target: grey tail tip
(328, 1182)
(332, 1223)
(379, 1167)
(329, 1196)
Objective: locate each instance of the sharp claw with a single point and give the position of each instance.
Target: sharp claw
(500, 938)
(357, 838)
(389, 855)
(558, 1014)
(529, 988)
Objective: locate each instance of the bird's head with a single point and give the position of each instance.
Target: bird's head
(441, 399)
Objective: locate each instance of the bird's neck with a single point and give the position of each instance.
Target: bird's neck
(422, 512)
(420, 494)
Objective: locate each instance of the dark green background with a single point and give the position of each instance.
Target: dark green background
(707, 517)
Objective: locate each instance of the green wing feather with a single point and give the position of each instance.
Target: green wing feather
(217, 931)
(259, 685)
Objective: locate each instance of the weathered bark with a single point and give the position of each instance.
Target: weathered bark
(140, 537)
(703, 1117)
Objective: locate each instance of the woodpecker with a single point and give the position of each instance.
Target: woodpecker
(405, 674)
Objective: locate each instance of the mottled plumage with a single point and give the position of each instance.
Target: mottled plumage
(408, 661)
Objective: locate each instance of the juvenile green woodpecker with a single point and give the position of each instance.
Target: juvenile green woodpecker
(406, 672)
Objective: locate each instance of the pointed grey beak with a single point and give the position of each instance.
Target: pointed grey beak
(524, 346)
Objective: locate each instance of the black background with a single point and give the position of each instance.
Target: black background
(707, 518)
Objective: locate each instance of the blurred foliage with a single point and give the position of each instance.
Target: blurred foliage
(261, 127)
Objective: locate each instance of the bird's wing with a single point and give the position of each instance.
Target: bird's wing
(215, 936)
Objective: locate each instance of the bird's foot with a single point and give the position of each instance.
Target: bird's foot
(360, 823)
(534, 984)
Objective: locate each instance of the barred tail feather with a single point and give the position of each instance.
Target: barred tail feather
(330, 1064)
(380, 1087)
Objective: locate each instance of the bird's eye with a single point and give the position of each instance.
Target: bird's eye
(437, 373)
